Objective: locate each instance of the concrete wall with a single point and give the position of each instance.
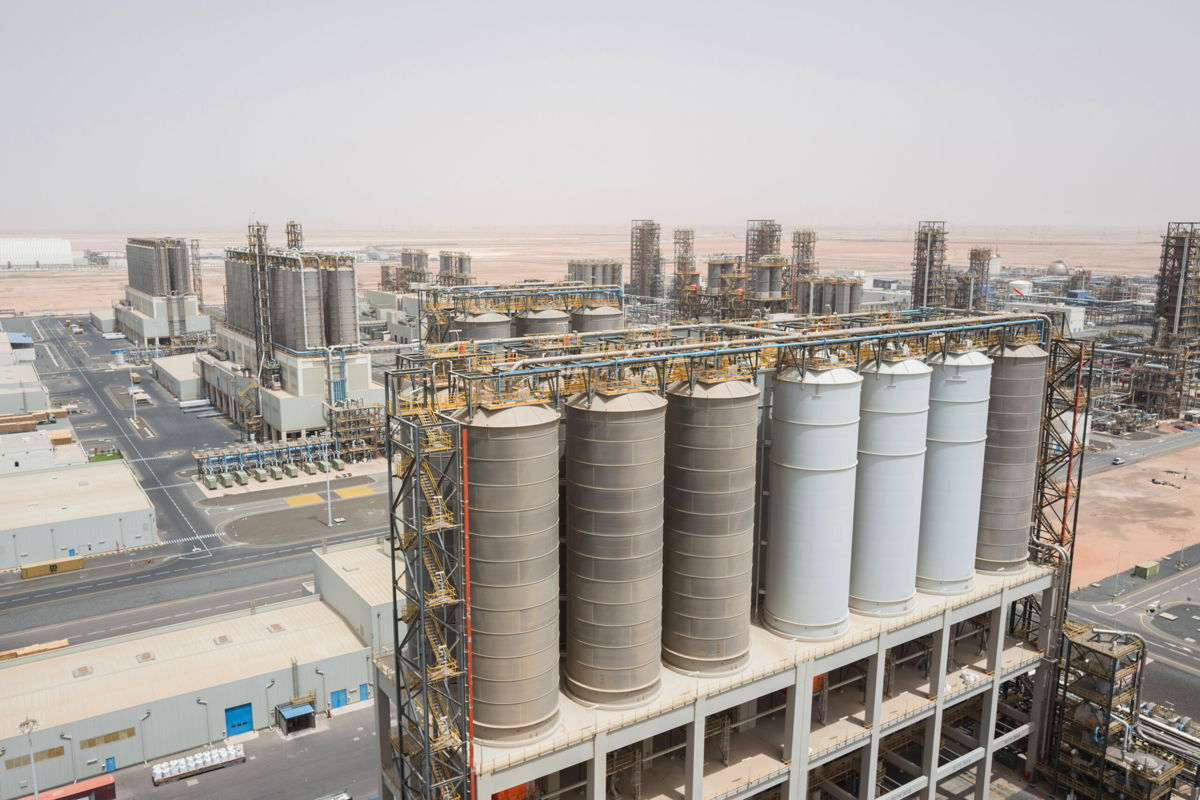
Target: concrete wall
(175, 725)
(104, 320)
(372, 623)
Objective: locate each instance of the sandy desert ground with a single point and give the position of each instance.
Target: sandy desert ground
(1125, 519)
(501, 255)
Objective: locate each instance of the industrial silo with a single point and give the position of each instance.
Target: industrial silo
(1011, 457)
(957, 435)
(512, 469)
(887, 505)
(708, 533)
(604, 318)
(488, 325)
(548, 320)
(311, 320)
(814, 451)
(614, 474)
(341, 305)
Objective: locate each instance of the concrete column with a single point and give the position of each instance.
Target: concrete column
(937, 688)
(1043, 688)
(797, 726)
(597, 768)
(693, 779)
(869, 767)
(746, 710)
(997, 622)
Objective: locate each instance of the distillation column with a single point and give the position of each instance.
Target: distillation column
(712, 433)
(614, 471)
(814, 452)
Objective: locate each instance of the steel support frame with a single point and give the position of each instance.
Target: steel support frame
(430, 606)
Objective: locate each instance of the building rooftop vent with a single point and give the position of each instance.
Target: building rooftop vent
(275, 627)
(222, 639)
(81, 672)
(142, 658)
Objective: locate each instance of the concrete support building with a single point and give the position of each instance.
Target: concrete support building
(160, 306)
(299, 406)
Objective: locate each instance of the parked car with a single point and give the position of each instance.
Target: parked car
(1118, 461)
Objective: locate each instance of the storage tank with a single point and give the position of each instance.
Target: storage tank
(548, 320)
(1021, 286)
(488, 325)
(340, 305)
(614, 473)
(814, 452)
(957, 435)
(708, 532)
(512, 486)
(604, 318)
(1011, 457)
(887, 504)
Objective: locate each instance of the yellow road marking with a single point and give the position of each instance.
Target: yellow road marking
(302, 499)
(354, 491)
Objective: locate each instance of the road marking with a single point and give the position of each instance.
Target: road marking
(354, 491)
(303, 499)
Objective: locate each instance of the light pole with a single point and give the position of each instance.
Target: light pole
(142, 734)
(27, 727)
(132, 399)
(70, 752)
(328, 495)
(1180, 563)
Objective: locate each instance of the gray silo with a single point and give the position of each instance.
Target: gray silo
(512, 467)
(814, 452)
(957, 436)
(488, 325)
(341, 305)
(708, 533)
(887, 505)
(614, 474)
(548, 320)
(1011, 457)
(313, 332)
(604, 318)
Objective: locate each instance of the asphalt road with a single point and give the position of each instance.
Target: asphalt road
(1134, 450)
(196, 572)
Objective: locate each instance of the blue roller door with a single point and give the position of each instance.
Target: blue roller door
(239, 719)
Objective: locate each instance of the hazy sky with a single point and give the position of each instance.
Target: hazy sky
(171, 116)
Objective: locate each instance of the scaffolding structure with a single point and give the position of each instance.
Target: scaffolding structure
(645, 259)
(357, 428)
(762, 239)
(804, 252)
(295, 235)
(1177, 307)
(197, 277)
(431, 620)
(1098, 751)
(929, 266)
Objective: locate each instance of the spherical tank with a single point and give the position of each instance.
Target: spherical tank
(604, 318)
(887, 503)
(489, 325)
(955, 442)
(614, 472)
(1010, 458)
(512, 483)
(708, 534)
(548, 320)
(814, 451)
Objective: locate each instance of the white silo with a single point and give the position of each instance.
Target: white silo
(814, 451)
(891, 466)
(957, 436)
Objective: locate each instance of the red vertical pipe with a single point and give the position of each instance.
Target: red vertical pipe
(466, 515)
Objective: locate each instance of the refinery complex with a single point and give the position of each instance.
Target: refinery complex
(711, 526)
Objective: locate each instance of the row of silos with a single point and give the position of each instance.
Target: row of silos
(826, 294)
(596, 271)
(312, 305)
(498, 325)
(900, 476)
(876, 480)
